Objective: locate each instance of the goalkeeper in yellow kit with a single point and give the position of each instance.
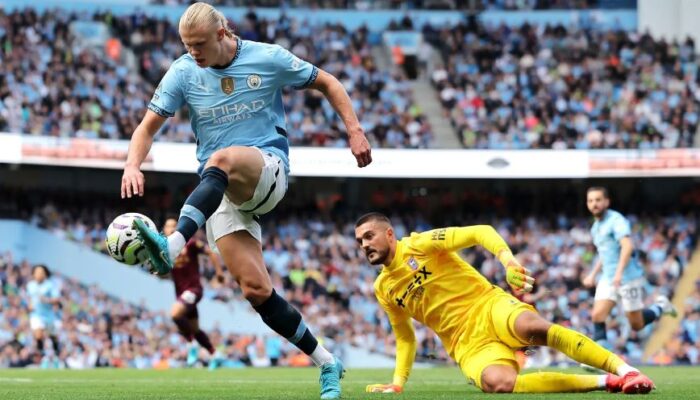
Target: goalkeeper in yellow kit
(479, 324)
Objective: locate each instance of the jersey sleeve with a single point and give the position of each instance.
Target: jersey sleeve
(293, 71)
(169, 95)
(456, 238)
(621, 228)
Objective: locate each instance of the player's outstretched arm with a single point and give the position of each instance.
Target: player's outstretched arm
(339, 99)
(405, 354)
(626, 249)
(457, 238)
(141, 141)
(216, 261)
(589, 280)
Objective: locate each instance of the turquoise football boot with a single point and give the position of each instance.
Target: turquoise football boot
(331, 374)
(156, 246)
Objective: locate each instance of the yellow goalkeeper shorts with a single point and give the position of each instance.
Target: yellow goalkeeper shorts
(490, 339)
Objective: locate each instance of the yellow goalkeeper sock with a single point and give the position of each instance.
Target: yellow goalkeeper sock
(582, 349)
(555, 382)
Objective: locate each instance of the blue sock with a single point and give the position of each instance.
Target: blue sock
(284, 319)
(203, 201)
(651, 314)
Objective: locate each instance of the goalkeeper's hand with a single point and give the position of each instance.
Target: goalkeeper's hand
(384, 388)
(518, 277)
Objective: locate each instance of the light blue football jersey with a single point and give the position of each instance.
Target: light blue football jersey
(36, 291)
(606, 234)
(239, 105)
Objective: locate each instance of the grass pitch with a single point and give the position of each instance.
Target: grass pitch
(282, 383)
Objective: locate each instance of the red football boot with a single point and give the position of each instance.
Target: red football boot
(613, 383)
(636, 383)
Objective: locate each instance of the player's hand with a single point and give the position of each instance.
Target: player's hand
(383, 388)
(617, 280)
(132, 182)
(360, 148)
(518, 277)
(589, 281)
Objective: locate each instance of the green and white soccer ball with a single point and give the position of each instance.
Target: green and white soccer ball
(122, 241)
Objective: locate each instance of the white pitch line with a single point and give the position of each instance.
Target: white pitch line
(19, 380)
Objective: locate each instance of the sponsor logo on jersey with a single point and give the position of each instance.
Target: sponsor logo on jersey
(254, 81)
(227, 85)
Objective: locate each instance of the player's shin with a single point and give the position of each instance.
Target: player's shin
(284, 319)
(203, 340)
(183, 326)
(584, 350)
(554, 382)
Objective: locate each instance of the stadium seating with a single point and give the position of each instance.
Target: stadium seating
(73, 90)
(561, 88)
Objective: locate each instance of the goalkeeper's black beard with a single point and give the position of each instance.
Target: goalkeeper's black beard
(382, 257)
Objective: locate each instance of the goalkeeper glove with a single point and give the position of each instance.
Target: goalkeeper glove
(384, 388)
(518, 277)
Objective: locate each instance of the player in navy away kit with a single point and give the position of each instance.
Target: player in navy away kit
(233, 89)
(189, 291)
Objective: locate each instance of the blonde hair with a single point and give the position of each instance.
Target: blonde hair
(199, 14)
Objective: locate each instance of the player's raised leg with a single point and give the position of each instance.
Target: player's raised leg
(236, 168)
(242, 254)
(535, 330)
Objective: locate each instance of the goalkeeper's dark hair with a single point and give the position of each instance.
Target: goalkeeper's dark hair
(44, 267)
(372, 216)
(599, 189)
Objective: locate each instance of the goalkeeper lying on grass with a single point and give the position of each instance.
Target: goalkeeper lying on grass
(479, 324)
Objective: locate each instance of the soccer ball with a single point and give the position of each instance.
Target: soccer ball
(122, 241)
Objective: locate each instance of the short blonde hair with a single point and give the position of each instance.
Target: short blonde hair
(199, 14)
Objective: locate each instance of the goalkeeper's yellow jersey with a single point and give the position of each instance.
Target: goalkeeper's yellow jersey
(428, 281)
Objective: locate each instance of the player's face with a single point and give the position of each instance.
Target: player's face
(203, 44)
(39, 274)
(170, 226)
(374, 239)
(597, 203)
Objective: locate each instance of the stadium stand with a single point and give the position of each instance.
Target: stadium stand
(51, 84)
(562, 88)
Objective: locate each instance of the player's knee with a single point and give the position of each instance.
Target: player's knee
(598, 316)
(498, 383)
(532, 328)
(220, 159)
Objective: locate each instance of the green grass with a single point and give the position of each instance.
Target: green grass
(438, 383)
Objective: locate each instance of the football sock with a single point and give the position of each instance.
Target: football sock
(54, 343)
(204, 341)
(555, 382)
(582, 349)
(201, 203)
(600, 334)
(651, 314)
(184, 327)
(284, 319)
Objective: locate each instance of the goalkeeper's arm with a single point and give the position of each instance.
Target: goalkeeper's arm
(486, 236)
(405, 354)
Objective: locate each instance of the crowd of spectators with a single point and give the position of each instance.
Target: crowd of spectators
(314, 260)
(53, 84)
(562, 87)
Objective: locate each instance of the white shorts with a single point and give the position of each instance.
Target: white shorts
(50, 326)
(230, 217)
(630, 294)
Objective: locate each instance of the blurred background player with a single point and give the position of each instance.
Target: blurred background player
(622, 280)
(189, 291)
(234, 89)
(424, 278)
(44, 297)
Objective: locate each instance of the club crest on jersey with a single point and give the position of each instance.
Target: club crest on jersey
(254, 81)
(227, 85)
(413, 263)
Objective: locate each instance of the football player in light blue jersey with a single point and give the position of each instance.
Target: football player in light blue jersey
(44, 294)
(232, 88)
(622, 278)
